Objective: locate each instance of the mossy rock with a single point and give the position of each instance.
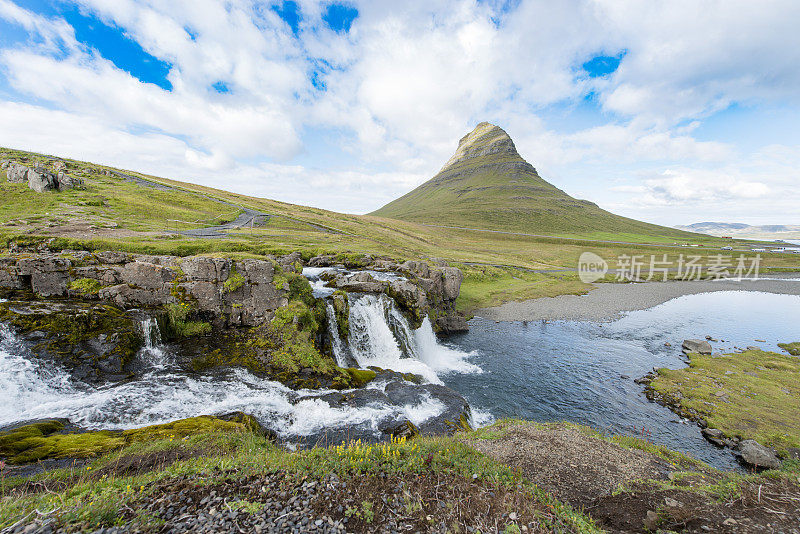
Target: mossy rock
(341, 308)
(189, 427)
(44, 440)
(353, 378)
(94, 341)
(47, 439)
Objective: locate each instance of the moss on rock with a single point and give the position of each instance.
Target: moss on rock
(77, 334)
(44, 440)
(87, 286)
(341, 308)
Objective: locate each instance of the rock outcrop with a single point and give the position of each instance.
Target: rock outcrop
(227, 292)
(95, 342)
(40, 179)
(700, 346)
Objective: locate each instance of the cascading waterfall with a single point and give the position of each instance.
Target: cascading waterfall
(153, 353)
(337, 345)
(30, 389)
(381, 336)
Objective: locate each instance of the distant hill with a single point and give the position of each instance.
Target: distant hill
(745, 231)
(488, 185)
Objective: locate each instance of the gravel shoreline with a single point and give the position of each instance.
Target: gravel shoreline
(608, 301)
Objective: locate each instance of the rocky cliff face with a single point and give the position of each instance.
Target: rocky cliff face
(227, 292)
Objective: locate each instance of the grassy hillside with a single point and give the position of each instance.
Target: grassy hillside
(112, 212)
(487, 184)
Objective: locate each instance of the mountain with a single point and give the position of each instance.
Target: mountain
(741, 230)
(488, 185)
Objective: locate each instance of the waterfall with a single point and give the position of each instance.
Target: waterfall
(337, 345)
(152, 333)
(381, 336)
(26, 383)
(153, 353)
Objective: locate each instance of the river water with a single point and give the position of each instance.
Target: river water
(544, 371)
(573, 371)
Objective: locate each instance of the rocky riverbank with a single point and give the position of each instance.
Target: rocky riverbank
(96, 315)
(746, 402)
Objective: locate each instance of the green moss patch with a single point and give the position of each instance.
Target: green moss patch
(180, 325)
(43, 440)
(46, 439)
(751, 395)
(234, 281)
(791, 348)
(88, 286)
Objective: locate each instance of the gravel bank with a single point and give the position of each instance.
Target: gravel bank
(607, 301)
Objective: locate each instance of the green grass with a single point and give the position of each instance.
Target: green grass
(86, 499)
(485, 286)
(752, 395)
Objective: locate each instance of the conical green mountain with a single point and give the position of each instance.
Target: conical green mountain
(487, 185)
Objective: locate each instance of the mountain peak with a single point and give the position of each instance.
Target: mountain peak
(486, 139)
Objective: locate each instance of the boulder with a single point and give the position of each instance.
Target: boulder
(322, 261)
(16, 173)
(700, 346)
(360, 283)
(108, 256)
(451, 324)
(407, 295)
(714, 435)
(419, 268)
(49, 274)
(41, 180)
(754, 454)
(452, 282)
(66, 181)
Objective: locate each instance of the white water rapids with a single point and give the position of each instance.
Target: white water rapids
(379, 336)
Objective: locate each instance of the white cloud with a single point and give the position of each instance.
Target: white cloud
(404, 84)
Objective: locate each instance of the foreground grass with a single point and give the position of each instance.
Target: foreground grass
(93, 495)
(752, 395)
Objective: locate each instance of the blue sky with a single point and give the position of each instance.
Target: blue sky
(671, 114)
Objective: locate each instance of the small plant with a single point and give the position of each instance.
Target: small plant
(234, 281)
(365, 512)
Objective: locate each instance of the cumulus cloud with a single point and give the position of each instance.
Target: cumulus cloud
(402, 85)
